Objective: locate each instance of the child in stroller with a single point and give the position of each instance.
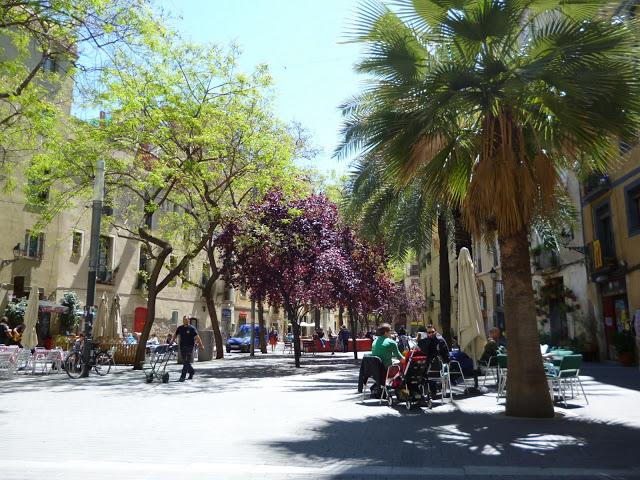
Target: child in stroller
(409, 384)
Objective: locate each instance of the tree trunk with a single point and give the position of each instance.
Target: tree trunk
(207, 292)
(340, 315)
(261, 330)
(527, 389)
(445, 278)
(296, 336)
(141, 348)
(354, 325)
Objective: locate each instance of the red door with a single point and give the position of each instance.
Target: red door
(139, 319)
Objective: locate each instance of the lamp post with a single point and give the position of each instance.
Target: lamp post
(94, 250)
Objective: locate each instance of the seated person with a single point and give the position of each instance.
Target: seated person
(169, 339)
(433, 345)
(153, 340)
(385, 347)
(494, 342)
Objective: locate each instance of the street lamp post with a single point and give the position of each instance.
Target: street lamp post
(94, 249)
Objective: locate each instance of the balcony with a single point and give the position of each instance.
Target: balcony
(27, 253)
(600, 264)
(546, 260)
(105, 276)
(594, 186)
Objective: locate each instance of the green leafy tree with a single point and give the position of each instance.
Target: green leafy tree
(71, 319)
(15, 312)
(186, 141)
(485, 101)
(48, 49)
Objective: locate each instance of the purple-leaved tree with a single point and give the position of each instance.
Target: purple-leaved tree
(286, 252)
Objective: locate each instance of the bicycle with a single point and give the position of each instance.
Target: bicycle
(100, 361)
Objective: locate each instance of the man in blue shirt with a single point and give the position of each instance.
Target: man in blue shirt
(188, 337)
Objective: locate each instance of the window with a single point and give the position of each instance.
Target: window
(204, 277)
(186, 273)
(483, 297)
(632, 197)
(143, 263)
(173, 263)
(604, 230)
(499, 295)
(105, 261)
(478, 254)
(494, 252)
(77, 243)
(50, 65)
(33, 245)
(38, 191)
(227, 294)
(175, 315)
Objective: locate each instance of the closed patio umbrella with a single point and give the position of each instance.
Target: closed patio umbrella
(29, 336)
(471, 336)
(100, 323)
(114, 326)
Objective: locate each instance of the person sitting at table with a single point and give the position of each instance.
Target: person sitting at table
(494, 341)
(385, 347)
(153, 340)
(433, 345)
(169, 339)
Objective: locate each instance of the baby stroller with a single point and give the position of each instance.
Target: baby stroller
(409, 386)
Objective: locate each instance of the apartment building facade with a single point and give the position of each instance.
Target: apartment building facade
(611, 212)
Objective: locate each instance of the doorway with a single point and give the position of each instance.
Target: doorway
(614, 312)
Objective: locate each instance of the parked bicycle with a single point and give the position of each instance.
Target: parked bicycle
(100, 361)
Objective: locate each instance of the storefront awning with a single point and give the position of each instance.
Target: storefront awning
(52, 307)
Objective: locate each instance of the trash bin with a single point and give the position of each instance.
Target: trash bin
(207, 339)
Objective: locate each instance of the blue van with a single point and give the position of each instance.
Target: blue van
(241, 340)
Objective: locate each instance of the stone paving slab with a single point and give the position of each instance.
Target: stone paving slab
(262, 418)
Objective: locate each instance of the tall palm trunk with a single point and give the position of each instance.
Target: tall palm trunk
(445, 277)
(527, 392)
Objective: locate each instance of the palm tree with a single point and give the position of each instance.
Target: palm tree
(484, 101)
(402, 219)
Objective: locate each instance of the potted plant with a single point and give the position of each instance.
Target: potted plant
(625, 346)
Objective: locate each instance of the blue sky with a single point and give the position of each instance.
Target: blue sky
(300, 41)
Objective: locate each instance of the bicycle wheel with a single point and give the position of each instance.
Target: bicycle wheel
(73, 365)
(103, 363)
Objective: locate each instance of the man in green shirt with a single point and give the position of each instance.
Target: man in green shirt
(385, 347)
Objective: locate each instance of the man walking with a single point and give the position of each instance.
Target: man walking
(343, 336)
(188, 337)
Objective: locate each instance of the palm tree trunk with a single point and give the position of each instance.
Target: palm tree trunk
(445, 278)
(527, 390)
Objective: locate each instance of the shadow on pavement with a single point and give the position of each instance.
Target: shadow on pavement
(457, 439)
(613, 374)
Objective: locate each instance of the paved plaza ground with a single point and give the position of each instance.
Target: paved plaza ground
(260, 418)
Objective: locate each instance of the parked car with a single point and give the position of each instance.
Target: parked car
(241, 340)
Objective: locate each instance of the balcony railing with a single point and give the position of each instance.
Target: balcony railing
(546, 260)
(105, 276)
(595, 185)
(26, 253)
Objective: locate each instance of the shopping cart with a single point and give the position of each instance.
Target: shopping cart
(158, 361)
